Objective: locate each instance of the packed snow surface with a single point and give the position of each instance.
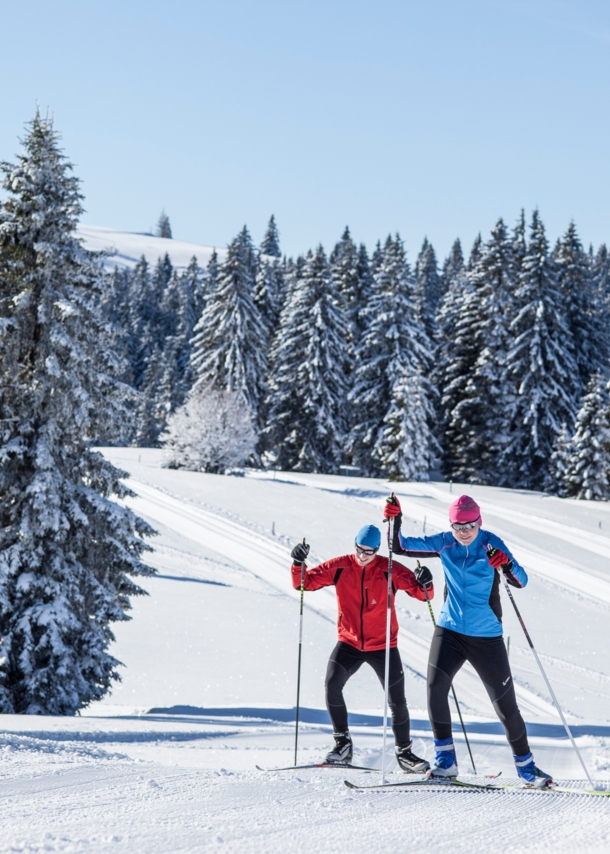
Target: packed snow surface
(168, 762)
(125, 248)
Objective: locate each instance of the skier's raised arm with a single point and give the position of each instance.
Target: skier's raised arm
(411, 546)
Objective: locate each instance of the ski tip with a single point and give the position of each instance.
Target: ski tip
(258, 768)
(350, 785)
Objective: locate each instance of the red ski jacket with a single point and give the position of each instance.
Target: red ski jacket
(362, 597)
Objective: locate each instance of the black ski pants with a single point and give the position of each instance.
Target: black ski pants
(488, 656)
(344, 661)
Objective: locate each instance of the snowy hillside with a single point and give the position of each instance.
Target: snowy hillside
(167, 763)
(126, 248)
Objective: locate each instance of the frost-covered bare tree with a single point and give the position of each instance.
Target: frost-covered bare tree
(211, 432)
(68, 552)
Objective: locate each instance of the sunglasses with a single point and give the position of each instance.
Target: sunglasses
(367, 552)
(467, 526)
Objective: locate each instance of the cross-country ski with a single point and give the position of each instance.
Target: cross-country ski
(334, 765)
(485, 787)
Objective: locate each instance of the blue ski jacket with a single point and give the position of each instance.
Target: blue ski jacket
(472, 587)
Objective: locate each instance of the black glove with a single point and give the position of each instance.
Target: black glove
(299, 553)
(424, 576)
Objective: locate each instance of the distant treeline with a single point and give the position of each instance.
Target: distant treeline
(493, 364)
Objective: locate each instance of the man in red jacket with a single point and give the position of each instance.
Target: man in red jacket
(361, 583)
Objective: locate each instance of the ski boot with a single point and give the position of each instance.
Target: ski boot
(530, 774)
(445, 764)
(343, 750)
(409, 762)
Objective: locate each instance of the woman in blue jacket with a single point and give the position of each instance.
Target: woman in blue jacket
(470, 628)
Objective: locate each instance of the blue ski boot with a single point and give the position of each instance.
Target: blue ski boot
(531, 775)
(445, 763)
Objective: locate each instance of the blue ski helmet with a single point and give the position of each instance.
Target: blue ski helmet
(369, 536)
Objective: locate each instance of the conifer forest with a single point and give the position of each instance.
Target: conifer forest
(490, 366)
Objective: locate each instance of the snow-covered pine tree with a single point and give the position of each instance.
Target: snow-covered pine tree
(268, 290)
(406, 443)
(365, 276)
(428, 284)
(475, 252)
(587, 473)
(271, 241)
(152, 409)
(344, 265)
(453, 267)
(393, 338)
(519, 243)
(159, 284)
(307, 386)
(582, 309)
(164, 229)
(229, 346)
(376, 258)
(68, 553)
(483, 395)
(558, 463)
(139, 300)
(541, 367)
(455, 358)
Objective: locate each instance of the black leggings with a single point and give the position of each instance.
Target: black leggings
(344, 661)
(448, 652)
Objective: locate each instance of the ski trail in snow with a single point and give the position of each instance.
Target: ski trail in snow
(264, 558)
(269, 561)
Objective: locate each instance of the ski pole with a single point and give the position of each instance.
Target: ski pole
(546, 679)
(296, 731)
(387, 651)
(455, 699)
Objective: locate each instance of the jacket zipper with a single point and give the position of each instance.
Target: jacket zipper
(362, 609)
(464, 587)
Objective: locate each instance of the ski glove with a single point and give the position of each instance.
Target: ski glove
(499, 560)
(424, 577)
(392, 507)
(299, 554)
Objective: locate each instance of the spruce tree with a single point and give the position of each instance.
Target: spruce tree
(456, 356)
(541, 367)
(582, 309)
(344, 264)
(453, 267)
(406, 443)
(393, 337)
(140, 319)
(483, 395)
(428, 284)
(475, 252)
(164, 229)
(558, 463)
(587, 473)
(68, 553)
(230, 338)
(271, 241)
(268, 290)
(307, 385)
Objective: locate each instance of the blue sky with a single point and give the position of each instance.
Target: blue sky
(431, 118)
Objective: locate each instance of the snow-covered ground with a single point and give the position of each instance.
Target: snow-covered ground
(125, 248)
(168, 762)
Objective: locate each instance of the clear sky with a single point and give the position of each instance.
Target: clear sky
(430, 117)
